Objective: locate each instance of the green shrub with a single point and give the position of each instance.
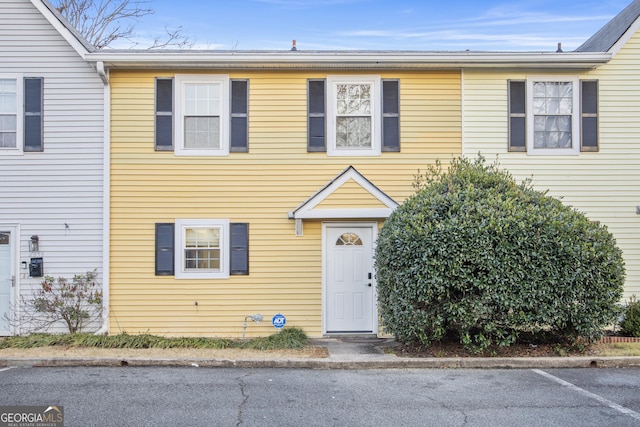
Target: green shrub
(477, 257)
(630, 324)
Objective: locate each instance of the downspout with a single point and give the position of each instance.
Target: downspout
(106, 204)
(462, 120)
(102, 73)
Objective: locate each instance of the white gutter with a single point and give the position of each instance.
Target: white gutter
(347, 59)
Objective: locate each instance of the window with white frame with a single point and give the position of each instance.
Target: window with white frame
(202, 248)
(202, 115)
(353, 107)
(9, 117)
(554, 124)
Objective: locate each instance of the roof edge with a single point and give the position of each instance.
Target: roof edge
(66, 30)
(347, 59)
(615, 33)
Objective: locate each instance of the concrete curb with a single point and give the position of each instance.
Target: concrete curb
(371, 363)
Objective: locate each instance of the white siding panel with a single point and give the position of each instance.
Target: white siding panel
(56, 194)
(603, 185)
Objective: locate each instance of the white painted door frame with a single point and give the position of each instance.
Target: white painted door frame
(11, 281)
(326, 246)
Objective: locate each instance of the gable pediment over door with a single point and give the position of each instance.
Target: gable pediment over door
(348, 196)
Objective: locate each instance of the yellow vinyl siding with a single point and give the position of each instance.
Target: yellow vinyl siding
(350, 195)
(259, 187)
(603, 184)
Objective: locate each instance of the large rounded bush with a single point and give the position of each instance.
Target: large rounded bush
(476, 256)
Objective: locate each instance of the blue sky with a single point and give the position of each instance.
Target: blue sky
(496, 25)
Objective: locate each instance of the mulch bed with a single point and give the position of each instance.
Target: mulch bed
(455, 349)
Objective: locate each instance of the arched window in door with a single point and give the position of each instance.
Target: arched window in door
(349, 239)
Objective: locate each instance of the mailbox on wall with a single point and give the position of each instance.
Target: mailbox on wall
(35, 267)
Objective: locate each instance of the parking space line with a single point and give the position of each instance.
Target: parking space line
(600, 399)
(7, 368)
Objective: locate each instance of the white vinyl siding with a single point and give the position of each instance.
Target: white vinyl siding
(56, 194)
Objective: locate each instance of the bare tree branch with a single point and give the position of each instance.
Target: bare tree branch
(103, 22)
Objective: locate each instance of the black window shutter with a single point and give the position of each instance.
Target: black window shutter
(390, 115)
(239, 248)
(239, 116)
(164, 114)
(517, 116)
(316, 125)
(33, 100)
(165, 249)
(589, 115)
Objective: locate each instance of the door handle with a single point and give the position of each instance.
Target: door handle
(369, 285)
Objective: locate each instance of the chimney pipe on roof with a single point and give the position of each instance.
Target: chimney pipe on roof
(559, 47)
(293, 47)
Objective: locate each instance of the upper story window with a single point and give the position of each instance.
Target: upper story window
(8, 114)
(553, 116)
(354, 119)
(554, 125)
(208, 118)
(202, 115)
(353, 115)
(21, 128)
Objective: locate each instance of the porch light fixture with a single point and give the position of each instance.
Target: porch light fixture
(34, 244)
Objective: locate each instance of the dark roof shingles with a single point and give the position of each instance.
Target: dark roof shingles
(607, 36)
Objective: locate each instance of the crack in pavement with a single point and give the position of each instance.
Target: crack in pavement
(245, 398)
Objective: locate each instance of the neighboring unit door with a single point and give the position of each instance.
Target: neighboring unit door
(349, 279)
(6, 282)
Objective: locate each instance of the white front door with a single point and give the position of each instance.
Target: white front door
(349, 284)
(6, 281)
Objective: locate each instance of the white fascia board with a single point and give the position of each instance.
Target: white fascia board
(346, 213)
(349, 60)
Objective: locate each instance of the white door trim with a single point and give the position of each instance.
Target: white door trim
(374, 300)
(14, 251)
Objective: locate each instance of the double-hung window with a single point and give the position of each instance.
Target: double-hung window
(553, 115)
(555, 125)
(21, 114)
(202, 115)
(354, 117)
(203, 249)
(9, 117)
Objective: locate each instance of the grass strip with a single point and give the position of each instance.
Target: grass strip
(290, 338)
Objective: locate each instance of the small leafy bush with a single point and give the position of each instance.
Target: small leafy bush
(476, 257)
(630, 324)
(73, 302)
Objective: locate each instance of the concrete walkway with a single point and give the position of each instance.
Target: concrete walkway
(344, 353)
